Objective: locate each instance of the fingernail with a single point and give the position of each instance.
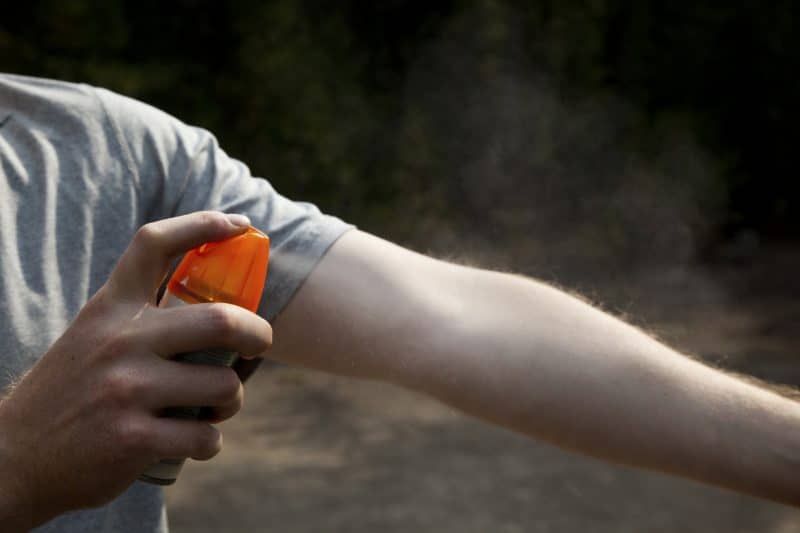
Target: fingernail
(238, 220)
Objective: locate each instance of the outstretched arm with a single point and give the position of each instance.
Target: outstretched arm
(524, 355)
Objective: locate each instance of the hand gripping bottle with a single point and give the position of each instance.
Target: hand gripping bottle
(231, 271)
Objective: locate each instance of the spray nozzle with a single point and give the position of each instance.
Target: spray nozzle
(231, 271)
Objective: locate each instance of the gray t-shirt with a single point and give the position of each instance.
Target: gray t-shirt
(81, 169)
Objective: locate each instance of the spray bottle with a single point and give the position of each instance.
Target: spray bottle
(231, 271)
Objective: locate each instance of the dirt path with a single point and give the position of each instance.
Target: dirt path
(314, 453)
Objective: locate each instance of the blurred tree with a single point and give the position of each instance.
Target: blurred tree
(443, 111)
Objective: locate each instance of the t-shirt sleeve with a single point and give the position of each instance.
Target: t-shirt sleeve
(181, 169)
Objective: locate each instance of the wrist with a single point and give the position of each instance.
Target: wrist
(15, 513)
(758, 450)
(775, 455)
(16, 509)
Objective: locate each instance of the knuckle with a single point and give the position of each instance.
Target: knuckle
(148, 236)
(233, 387)
(213, 219)
(119, 343)
(238, 402)
(229, 387)
(207, 443)
(110, 346)
(222, 321)
(133, 436)
(123, 386)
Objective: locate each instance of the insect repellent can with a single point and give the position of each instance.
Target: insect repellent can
(231, 271)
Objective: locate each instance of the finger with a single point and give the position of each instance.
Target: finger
(172, 384)
(142, 267)
(220, 413)
(202, 326)
(174, 437)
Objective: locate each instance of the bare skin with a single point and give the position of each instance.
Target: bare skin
(524, 355)
(83, 423)
(510, 350)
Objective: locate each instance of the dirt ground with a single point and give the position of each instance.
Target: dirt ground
(312, 453)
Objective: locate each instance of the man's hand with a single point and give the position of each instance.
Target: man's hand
(84, 422)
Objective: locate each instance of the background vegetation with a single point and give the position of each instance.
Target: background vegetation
(566, 132)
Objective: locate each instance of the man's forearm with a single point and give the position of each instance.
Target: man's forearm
(15, 507)
(532, 358)
(14, 516)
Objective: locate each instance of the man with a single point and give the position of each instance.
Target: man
(98, 193)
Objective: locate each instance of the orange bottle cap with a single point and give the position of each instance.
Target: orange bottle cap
(232, 271)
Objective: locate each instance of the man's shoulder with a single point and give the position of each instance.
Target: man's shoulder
(58, 102)
(48, 98)
(40, 83)
(63, 114)
(142, 136)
